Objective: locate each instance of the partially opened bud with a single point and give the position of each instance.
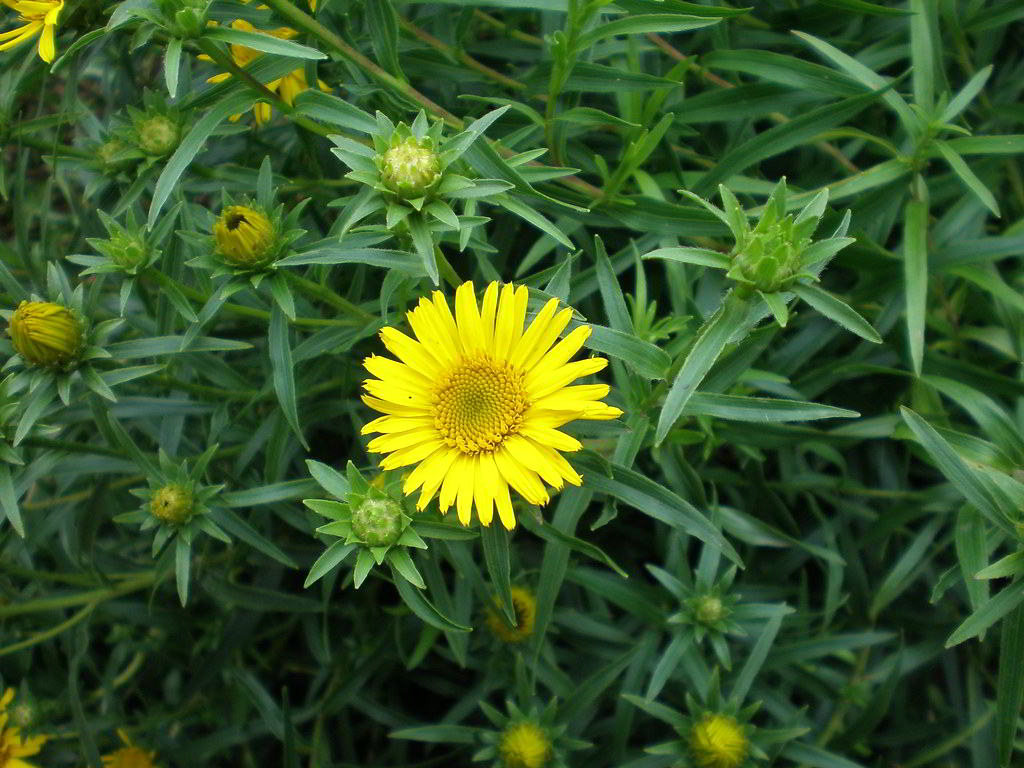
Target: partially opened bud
(524, 745)
(526, 611)
(409, 169)
(244, 236)
(46, 334)
(718, 741)
(172, 504)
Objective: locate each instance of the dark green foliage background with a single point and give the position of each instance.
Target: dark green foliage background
(869, 530)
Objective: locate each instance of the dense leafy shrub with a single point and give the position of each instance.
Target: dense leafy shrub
(536, 383)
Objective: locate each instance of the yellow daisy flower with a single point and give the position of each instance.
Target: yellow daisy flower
(36, 16)
(14, 746)
(476, 402)
(287, 87)
(129, 756)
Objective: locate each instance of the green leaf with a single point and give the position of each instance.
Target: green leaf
(259, 41)
(761, 409)
(899, 578)
(331, 558)
(781, 138)
(1006, 600)
(329, 479)
(642, 24)
(9, 500)
(330, 109)
(240, 529)
(757, 656)
(409, 263)
(585, 548)
(495, 541)
(711, 340)
(403, 565)
(652, 499)
(1009, 684)
(172, 65)
(426, 610)
(954, 468)
(424, 244)
(182, 563)
(703, 257)
(836, 310)
(284, 370)
(967, 176)
(644, 358)
(915, 276)
(190, 146)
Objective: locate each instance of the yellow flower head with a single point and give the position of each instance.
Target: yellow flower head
(172, 504)
(46, 334)
(14, 746)
(244, 236)
(129, 756)
(476, 402)
(526, 611)
(35, 16)
(718, 741)
(287, 87)
(524, 745)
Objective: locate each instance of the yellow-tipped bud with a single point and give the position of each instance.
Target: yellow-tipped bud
(409, 169)
(244, 236)
(526, 612)
(172, 504)
(524, 745)
(718, 741)
(46, 334)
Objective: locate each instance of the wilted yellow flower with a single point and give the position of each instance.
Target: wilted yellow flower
(287, 87)
(129, 756)
(718, 741)
(46, 334)
(524, 745)
(244, 236)
(476, 401)
(526, 611)
(36, 16)
(173, 504)
(14, 746)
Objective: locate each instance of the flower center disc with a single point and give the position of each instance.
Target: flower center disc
(479, 404)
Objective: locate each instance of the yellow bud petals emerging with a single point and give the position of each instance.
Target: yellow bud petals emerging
(718, 741)
(526, 611)
(172, 504)
(524, 745)
(46, 334)
(129, 756)
(244, 236)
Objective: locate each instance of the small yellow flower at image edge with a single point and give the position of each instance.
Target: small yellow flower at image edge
(46, 334)
(129, 756)
(718, 741)
(526, 610)
(14, 746)
(37, 16)
(476, 402)
(287, 87)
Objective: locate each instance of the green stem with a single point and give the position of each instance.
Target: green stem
(92, 596)
(326, 295)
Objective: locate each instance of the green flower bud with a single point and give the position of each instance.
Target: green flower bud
(378, 522)
(46, 334)
(172, 504)
(111, 155)
(158, 135)
(409, 169)
(127, 250)
(709, 610)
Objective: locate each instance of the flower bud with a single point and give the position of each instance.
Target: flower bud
(709, 610)
(111, 154)
(409, 169)
(378, 522)
(524, 745)
(127, 250)
(158, 135)
(718, 741)
(46, 334)
(244, 236)
(172, 503)
(526, 610)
